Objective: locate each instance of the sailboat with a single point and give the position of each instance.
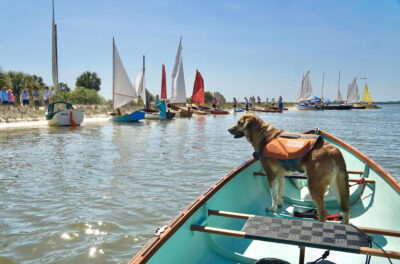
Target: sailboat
(366, 99)
(198, 94)
(123, 91)
(353, 96)
(60, 113)
(178, 91)
(305, 95)
(338, 105)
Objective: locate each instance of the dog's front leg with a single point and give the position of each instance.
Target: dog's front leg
(274, 187)
(281, 191)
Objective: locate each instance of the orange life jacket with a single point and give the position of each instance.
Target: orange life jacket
(289, 148)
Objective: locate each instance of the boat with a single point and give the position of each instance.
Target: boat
(366, 100)
(198, 94)
(353, 96)
(214, 111)
(124, 92)
(305, 95)
(339, 104)
(228, 223)
(60, 113)
(266, 110)
(178, 90)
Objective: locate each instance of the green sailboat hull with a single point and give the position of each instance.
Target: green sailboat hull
(244, 190)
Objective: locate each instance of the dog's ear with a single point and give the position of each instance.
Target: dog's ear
(247, 122)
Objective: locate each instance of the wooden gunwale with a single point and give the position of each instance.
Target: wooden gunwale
(157, 241)
(375, 166)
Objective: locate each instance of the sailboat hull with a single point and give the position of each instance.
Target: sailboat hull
(132, 117)
(63, 117)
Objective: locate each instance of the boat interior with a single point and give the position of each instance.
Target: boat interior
(214, 228)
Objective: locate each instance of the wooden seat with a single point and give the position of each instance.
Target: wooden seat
(345, 238)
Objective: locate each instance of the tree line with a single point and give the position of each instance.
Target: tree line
(85, 92)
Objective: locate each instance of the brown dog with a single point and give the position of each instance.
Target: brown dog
(324, 164)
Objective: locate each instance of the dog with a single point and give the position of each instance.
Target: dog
(324, 165)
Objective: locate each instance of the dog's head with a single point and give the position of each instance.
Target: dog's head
(245, 122)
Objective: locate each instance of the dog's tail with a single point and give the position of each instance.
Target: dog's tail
(342, 184)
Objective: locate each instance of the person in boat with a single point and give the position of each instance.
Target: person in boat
(46, 96)
(280, 103)
(234, 103)
(4, 96)
(163, 109)
(214, 103)
(24, 98)
(247, 103)
(266, 103)
(10, 97)
(36, 97)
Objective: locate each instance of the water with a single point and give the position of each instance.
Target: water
(97, 194)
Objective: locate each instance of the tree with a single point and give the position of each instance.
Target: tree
(63, 87)
(89, 80)
(81, 95)
(4, 80)
(208, 97)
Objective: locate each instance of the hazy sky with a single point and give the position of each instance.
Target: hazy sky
(241, 48)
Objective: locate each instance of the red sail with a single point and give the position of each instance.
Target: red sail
(198, 90)
(163, 84)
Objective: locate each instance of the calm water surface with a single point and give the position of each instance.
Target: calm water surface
(97, 194)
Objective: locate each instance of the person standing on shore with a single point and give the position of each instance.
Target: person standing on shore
(247, 103)
(259, 100)
(266, 103)
(234, 104)
(4, 96)
(214, 103)
(273, 102)
(10, 97)
(24, 98)
(36, 97)
(46, 96)
(158, 101)
(147, 102)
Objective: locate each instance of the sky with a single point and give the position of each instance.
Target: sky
(242, 48)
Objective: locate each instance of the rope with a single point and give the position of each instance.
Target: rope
(360, 181)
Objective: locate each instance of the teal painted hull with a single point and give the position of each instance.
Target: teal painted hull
(132, 117)
(377, 206)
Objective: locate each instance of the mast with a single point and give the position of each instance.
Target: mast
(54, 53)
(322, 91)
(338, 87)
(143, 86)
(113, 85)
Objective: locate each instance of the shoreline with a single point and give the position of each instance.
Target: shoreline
(36, 122)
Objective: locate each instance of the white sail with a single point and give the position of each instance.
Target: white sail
(54, 54)
(353, 96)
(339, 96)
(140, 84)
(123, 91)
(305, 92)
(178, 90)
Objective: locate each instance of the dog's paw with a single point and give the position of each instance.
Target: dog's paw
(280, 201)
(271, 209)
